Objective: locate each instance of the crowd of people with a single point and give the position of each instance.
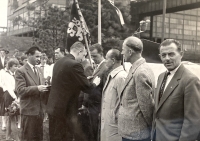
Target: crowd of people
(99, 99)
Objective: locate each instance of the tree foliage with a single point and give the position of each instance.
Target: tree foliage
(50, 24)
(112, 30)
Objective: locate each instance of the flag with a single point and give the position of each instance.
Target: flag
(77, 27)
(119, 13)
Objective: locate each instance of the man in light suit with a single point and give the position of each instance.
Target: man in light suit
(136, 106)
(177, 98)
(31, 91)
(111, 96)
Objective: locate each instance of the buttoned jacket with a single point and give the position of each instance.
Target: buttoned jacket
(136, 107)
(31, 99)
(176, 115)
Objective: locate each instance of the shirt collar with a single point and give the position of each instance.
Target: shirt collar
(11, 73)
(114, 72)
(174, 71)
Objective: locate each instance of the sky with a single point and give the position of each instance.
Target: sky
(3, 13)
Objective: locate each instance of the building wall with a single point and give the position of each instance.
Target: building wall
(183, 26)
(19, 29)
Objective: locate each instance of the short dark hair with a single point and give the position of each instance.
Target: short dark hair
(32, 50)
(23, 57)
(134, 43)
(98, 47)
(116, 54)
(12, 61)
(170, 41)
(61, 49)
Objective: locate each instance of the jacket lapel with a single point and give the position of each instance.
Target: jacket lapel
(132, 71)
(171, 86)
(98, 69)
(31, 74)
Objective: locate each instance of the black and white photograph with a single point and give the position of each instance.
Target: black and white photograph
(99, 70)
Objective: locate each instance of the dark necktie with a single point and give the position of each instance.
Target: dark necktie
(163, 85)
(34, 69)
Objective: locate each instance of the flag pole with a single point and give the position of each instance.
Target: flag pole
(84, 32)
(99, 22)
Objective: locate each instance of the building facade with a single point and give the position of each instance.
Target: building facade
(18, 9)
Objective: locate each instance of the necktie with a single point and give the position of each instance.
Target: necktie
(34, 69)
(163, 85)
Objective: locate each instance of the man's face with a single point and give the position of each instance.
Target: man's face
(97, 57)
(14, 68)
(126, 52)
(35, 59)
(170, 56)
(3, 53)
(24, 61)
(58, 54)
(109, 61)
(80, 57)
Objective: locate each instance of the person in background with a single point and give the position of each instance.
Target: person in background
(3, 62)
(111, 96)
(59, 53)
(3, 57)
(10, 96)
(136, 98)
(177, 98)
(24, 60)
(32, 91)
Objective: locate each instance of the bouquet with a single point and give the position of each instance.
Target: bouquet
(13, 109)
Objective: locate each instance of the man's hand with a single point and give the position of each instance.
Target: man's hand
(43, 88)
(97, 81)
(90, 77)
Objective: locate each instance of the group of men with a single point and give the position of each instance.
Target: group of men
(124, 105)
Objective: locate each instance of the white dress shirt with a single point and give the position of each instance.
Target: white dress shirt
(9, 83)
(2, 60)
(170, 76)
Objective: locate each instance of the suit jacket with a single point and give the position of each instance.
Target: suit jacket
(94, 99)
(31, 99)
(136, 107)
(176, 116)
(67, 82)
(2, 66)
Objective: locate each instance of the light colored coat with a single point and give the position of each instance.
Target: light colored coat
(176, 116)
(110, 97)
(136, 107)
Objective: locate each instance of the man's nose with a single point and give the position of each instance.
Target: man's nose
(167, 57)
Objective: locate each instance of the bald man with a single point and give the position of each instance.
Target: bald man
(136, 106)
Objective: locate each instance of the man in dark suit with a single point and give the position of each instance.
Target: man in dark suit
(67, 82)
(93, 101)
(3, 57)
(31, 91)
(177, 98)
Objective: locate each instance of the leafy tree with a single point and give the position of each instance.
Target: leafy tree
(112, 31)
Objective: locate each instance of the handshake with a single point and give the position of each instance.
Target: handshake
(96, 80)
